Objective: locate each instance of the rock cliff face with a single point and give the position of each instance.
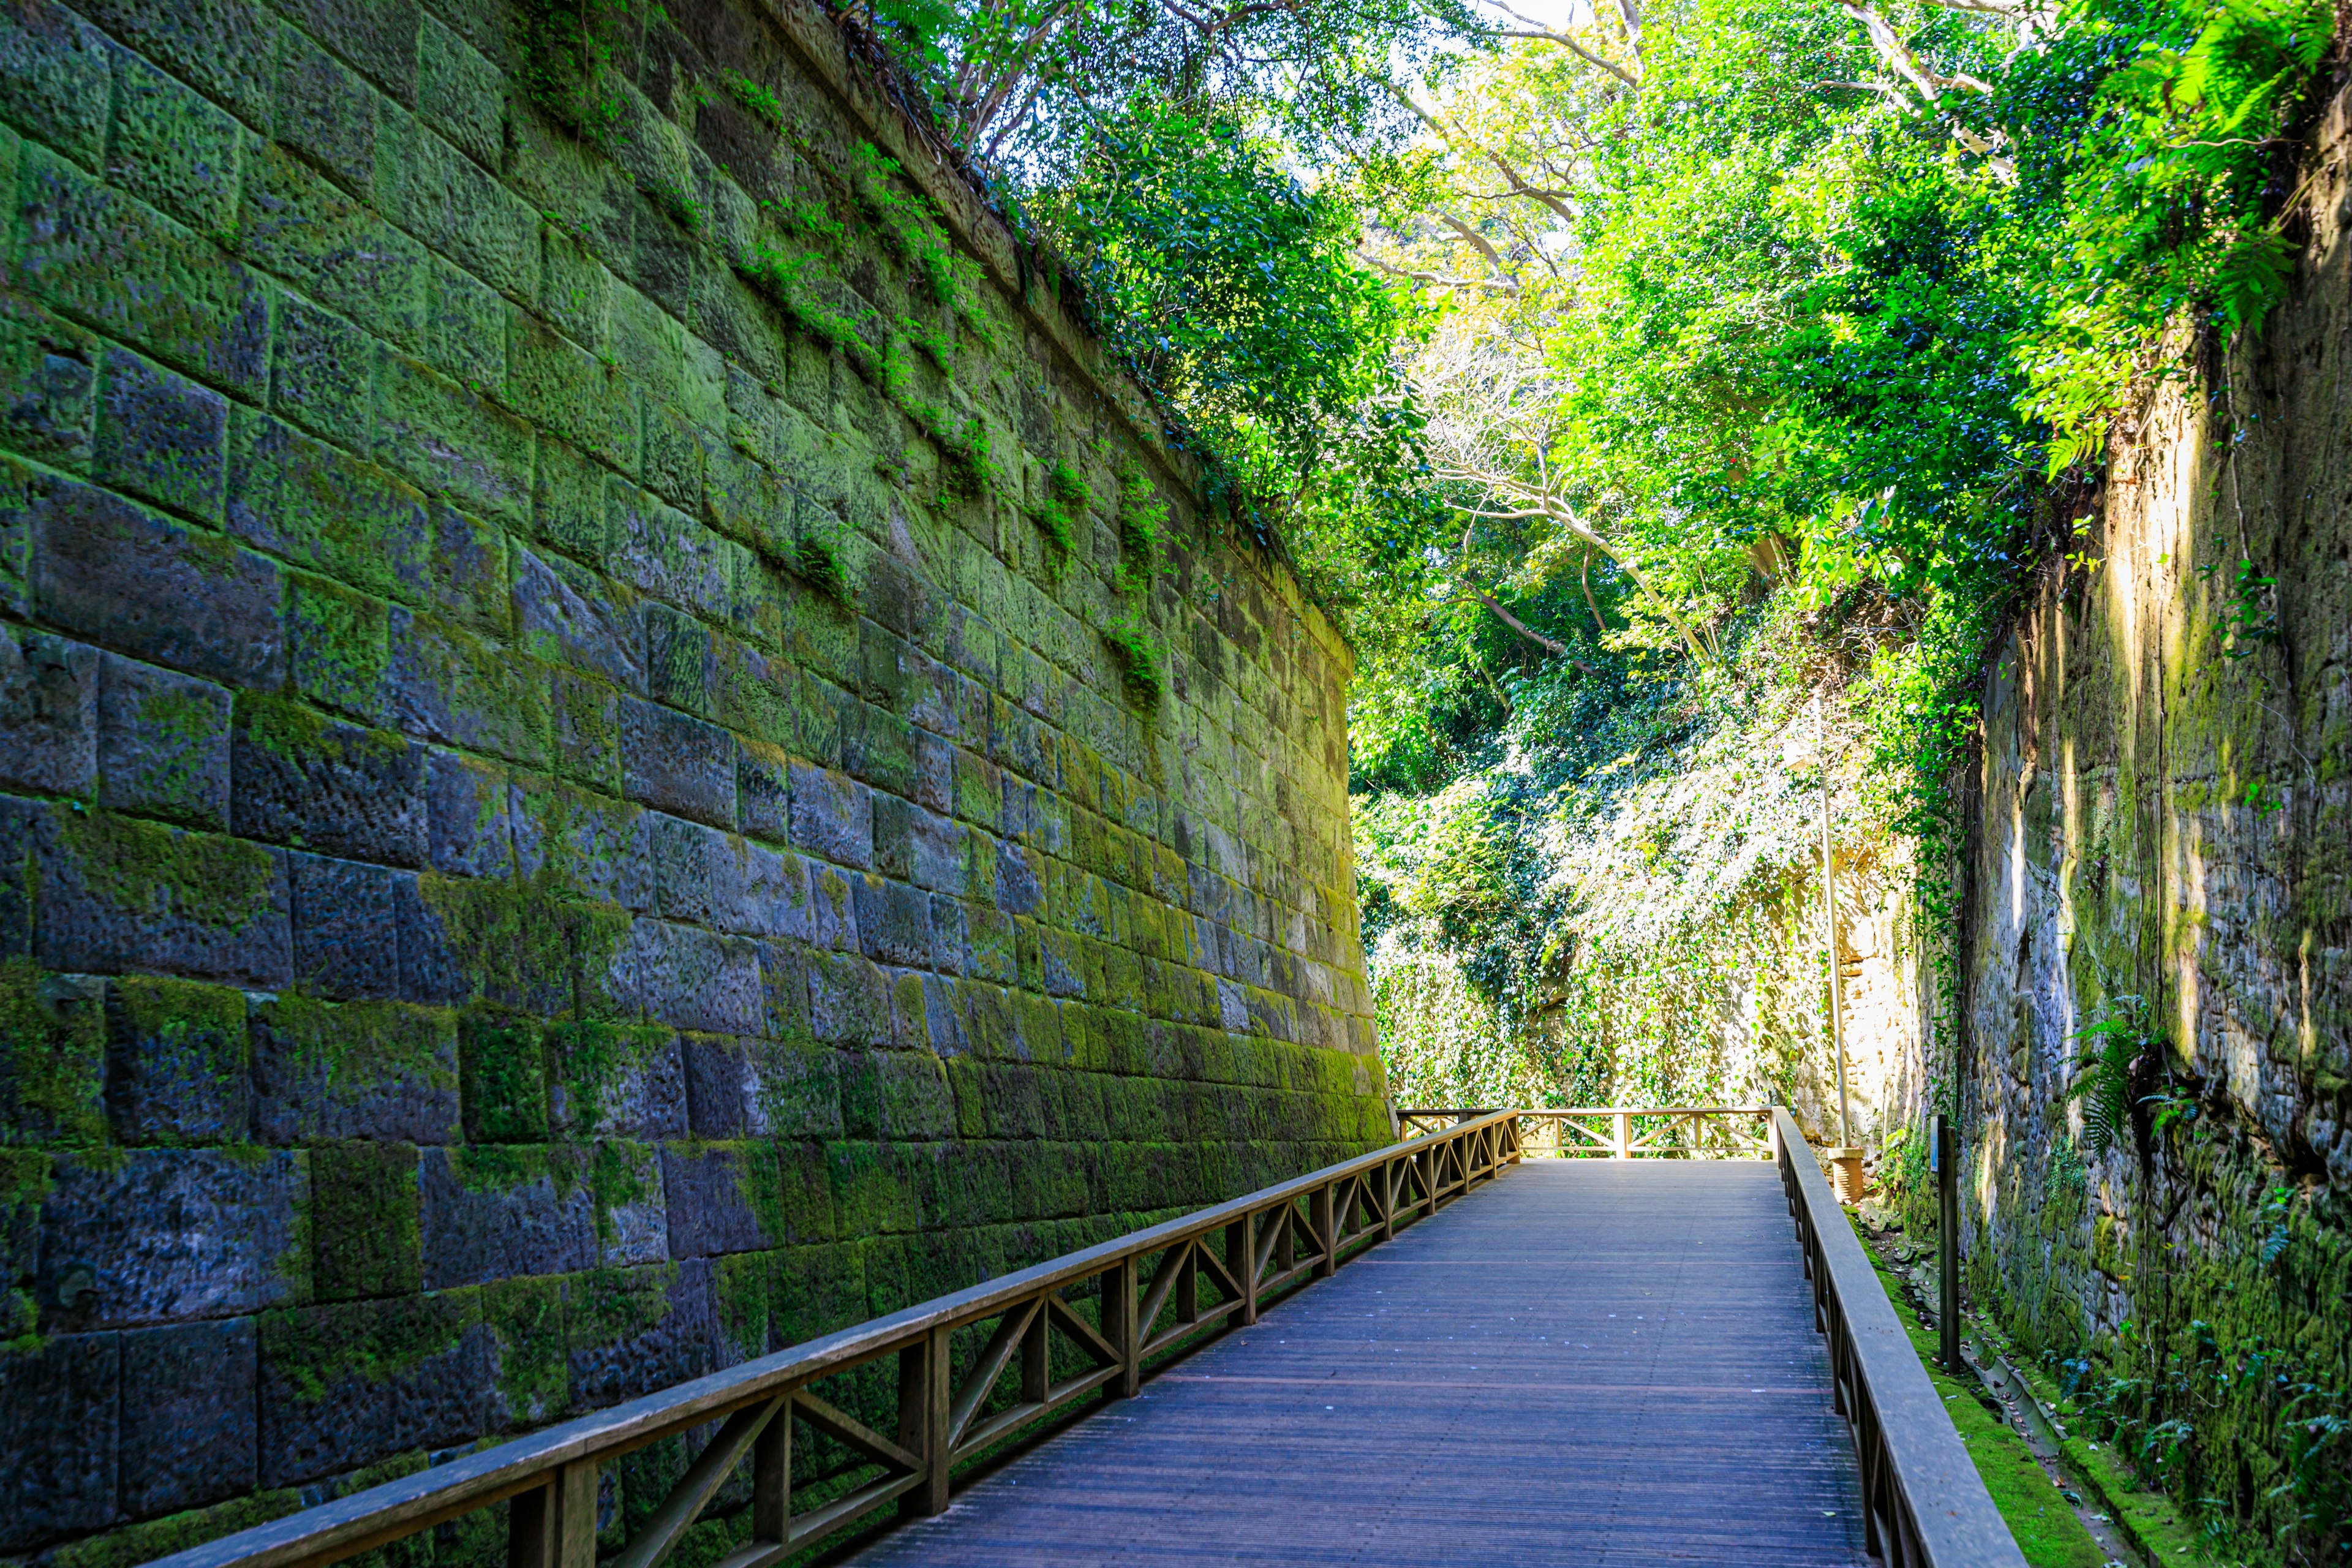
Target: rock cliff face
(617, 748)
(2161, 812)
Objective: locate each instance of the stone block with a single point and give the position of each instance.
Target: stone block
(330, 246)
(322, 377)
(466, 805)
(52, 1057)
(448, 684)
(110, 260)
(334, 788)
(814, 1291)
(894, 922)
(517, 945)
(530, 1372)
(784, 990)
(108, 570)
(174, 1234)
(221, 46)
(189, 1421)
(763, 791)
(896, 1095)
(833, 899)
(495, 1211)
(353, 1069)
(833, 816)
(595, 847)
(616, 1080)
(172, 149)
(460, 94)
(48, 378)
(319, 507)
(343, 1386)
(48, 713)
(178, 1068)
(60, 1405)
(377, 36)
(633, 1331)
(740, 1087)
(587, 715)
(343, 910)
(338, 645)
(54, 70)
(118, 893)
(849, 1000)
(722, 1198)
(364, 1221)
(453, 441)
(676, 763)
(568, 616)
(503, 1076)
(632, 1207)
(688, 977)
(681, 670)
(325, 111)
(458, 208)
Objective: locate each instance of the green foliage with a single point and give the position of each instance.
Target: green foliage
(759, 101)
(1142, 662)
(2161, 193)
(818, 564)
(1142, 516)
(2118, 1050)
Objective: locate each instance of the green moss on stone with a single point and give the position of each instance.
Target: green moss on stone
(739, 1283)
(52, 1059)
(150, 1539)
(502, 1058)
(156, 873)
(364, 1221)
(593, 1059)
(347, 1048)
(608, 1306)
(525, 1323)
(314, 1350)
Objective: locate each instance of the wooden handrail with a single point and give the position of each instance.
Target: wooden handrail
(1269, 1243)
(1923, 1504)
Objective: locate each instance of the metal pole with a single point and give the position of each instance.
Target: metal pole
(1945, 1157)
(1829, 929)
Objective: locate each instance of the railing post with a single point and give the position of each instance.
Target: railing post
(772, 1480)
(1319, 1208)
(555, 1526)
(1388, 1207)
(1624, 1135)
(1241, 1261)
(1119, 1327)
(923, 1395)
(1946, 1152)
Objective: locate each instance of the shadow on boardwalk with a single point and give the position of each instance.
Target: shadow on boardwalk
(1585, 1363)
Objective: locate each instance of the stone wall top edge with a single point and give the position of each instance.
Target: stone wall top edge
(815, 37)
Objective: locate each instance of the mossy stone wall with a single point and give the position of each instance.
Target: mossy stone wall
(617, 748)
(2161, 811)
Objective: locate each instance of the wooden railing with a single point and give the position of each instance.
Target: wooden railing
(1625, 1132)
(1246, 1252)
(1924, 1506)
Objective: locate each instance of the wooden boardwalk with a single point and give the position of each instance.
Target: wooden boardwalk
(1586, 1363)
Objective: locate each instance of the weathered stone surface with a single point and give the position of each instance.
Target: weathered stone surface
(48, 713)
(190, 1422)
(118, 894)
(163, 743)
(344, 1386)
(360, 1069)
(345, 927)
(495, 1212)
(167, 1234)
(177, 1069)
(633, 1331)
(59, 1404)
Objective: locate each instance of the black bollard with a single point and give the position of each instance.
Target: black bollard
(1944, 1159)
